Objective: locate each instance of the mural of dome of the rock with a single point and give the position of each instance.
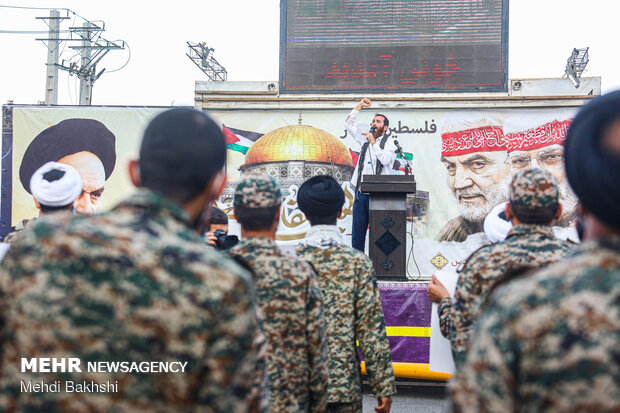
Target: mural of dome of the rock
(295, 153)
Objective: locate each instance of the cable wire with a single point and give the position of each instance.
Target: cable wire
(411, 254)
(31, 31)
(128, 57)
(34, 8)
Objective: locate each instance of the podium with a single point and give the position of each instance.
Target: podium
(388, 223)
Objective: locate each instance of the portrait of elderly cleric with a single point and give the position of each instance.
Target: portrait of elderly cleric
(85, 144)
(474, 154)
(536, 140)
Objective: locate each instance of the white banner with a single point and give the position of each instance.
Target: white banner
(462, 161)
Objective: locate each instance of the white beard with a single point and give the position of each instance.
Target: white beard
(568, 199)
(494, 195)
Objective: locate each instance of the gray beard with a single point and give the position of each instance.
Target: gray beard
(569, 201)
(494, 195)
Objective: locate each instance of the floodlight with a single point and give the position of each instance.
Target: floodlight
(576, 64)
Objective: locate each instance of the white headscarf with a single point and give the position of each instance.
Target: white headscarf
(56, 193)
(496, 228)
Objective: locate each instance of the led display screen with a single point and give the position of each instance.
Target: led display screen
(335, 46)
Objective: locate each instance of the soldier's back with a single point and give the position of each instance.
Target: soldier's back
(559, 329)
(132, 285)
(292, 318)
(529, 246)
(353, 312)
(526, 247)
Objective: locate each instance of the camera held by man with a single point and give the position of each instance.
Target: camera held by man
(224, 241)
(216, 230)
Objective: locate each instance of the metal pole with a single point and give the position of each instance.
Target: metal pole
(51, 79)
(86, 76)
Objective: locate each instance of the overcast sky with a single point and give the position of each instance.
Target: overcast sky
(245, 36)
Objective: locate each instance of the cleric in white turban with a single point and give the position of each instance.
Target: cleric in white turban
(55, 186)
(496, 224)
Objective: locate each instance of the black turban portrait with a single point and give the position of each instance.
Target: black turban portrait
(66, 138)
(320, 196)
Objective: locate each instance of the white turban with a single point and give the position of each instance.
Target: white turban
(56, 192)
(496, 228)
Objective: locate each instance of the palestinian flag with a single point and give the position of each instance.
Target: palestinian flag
(354, 156)
(240, 140)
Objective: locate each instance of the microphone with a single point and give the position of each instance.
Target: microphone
(372, 130)
(398, 148)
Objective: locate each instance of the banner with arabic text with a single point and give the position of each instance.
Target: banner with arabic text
(462, 161)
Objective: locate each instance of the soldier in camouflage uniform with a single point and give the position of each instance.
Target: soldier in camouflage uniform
(550, 342)
(352, 303)
(289, 300)
(534, 205)
(135, 284)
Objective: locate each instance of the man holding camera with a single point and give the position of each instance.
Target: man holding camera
(289, 301)
(215, 230)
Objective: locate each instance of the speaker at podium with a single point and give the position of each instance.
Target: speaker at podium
(388, 223)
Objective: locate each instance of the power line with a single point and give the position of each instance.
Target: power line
(85, 40)
(34, 8)
(51, 8)
(87, 43)
(31, 31)
(128, 58)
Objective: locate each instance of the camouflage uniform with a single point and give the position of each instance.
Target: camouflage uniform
(549, 342)
(526, 246)
(17, 229)
(353, 311)
(135, 284)
(290, 308)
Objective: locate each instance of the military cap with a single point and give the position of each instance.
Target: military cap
(66, 138)
(256, 190)
(320, 196)
(534, 188)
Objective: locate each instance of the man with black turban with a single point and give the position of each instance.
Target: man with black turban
(351, 299)
(548, 342)
(85, 144)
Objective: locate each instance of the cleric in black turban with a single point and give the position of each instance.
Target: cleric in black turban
(87, 145)
(592, 168)
(320, 196)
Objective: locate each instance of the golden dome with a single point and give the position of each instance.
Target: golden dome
(298, 143)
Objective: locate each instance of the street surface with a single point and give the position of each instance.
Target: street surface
(417, 398)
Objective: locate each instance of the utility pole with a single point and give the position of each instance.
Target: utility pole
(51, 78)
(91, 49)
(86, 78)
